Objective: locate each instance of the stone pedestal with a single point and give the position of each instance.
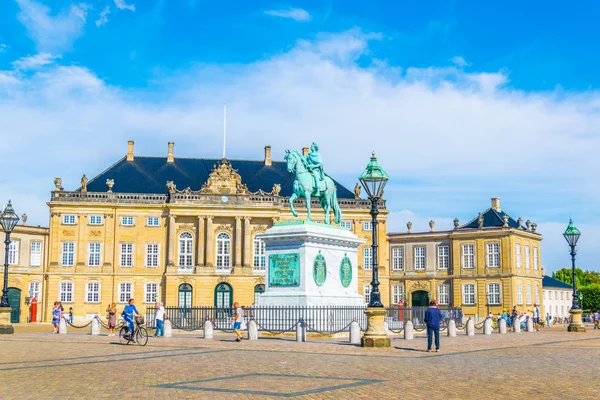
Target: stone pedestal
(375, 335)
(576, 324)
(6, 327)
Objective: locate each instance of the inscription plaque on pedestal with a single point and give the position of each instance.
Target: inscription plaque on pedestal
(284, 269)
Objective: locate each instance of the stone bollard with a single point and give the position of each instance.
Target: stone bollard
(208, 329)
(452, 328)
(62, 327)
(354, 333)
(470, 329)
(517, 325)
(409, 331)
(95, 330)
(301, 332)
(168, 328)
(252, 330)
(386, 328)
(487, 326)
(529, 323)
(502, 326)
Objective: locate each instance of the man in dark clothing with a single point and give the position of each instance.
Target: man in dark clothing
(433, 316)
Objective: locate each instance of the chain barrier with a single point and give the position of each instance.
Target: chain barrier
(329, 332)
(75, 326)
(263, 329)
(188, 329)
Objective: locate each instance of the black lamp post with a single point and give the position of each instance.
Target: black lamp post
(572, 235)
(373, 179)
(8, 220)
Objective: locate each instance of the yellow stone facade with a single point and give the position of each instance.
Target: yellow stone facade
(472, 265)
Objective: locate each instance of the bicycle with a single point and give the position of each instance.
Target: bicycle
(140, 334)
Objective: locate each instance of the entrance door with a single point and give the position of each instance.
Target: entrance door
(185, 295)
(420, 298)
(14, 299)
(223, 297)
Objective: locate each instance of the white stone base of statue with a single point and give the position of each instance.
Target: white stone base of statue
(293, 248)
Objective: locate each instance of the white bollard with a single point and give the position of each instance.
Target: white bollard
(300, 332)
(386, 328)
(452, 328)
(517, 325)
(529, 323)
(487, 326)
(168, 328)
(409, 331)
(252, 330)
(470, 329)
(354, 333)
(95, 330)
(208, 330)
(62, 327)
(502, 326)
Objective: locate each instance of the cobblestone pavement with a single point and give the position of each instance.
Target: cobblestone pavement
(550, 364)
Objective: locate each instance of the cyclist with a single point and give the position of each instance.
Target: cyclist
(128, 316)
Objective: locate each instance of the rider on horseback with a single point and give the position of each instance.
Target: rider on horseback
(314, 164)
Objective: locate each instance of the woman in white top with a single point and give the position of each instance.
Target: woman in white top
(159, 318)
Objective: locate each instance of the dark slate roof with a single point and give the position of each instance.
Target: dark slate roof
(491, 219)
(554, 283)
(150, 175)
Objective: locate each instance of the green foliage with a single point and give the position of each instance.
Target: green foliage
(566, 275)
(591, 296)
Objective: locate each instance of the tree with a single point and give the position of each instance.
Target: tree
(591, 297)
(566, 275)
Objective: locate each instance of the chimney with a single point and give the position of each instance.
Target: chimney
(268, 155)
(130, 150)
(170, 157)
(304, 151)
(496, 204)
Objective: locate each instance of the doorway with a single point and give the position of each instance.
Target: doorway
(14, 299)
(420, 298)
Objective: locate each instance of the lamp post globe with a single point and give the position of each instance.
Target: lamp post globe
(8, 220)
(572, 235)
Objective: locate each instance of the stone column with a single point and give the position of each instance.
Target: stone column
(200, 242)
(247, 243)
(209, 241)
(171, 255)
(238, 241)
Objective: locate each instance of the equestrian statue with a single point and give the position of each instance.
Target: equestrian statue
(311, 181)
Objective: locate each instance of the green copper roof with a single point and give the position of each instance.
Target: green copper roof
(374, 170)
(571, 230)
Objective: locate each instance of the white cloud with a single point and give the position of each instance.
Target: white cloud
(449, 139)
(297, 14)
(459, 61)
(52, 33)
(34, 62)
(3, 48)
(103, 16)
(121, 5)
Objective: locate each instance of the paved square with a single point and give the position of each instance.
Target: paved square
(548, 364)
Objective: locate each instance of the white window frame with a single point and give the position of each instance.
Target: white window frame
(527, 254)
(443, 260)
(469, 295)
(397, 258)
(150, 296)
(127, 221)
(152, 255)
(66, 291)
(346, 225)
(535, 258)
(67, 254)
(125, 291)
(444, 293)
(528, 294)
(397, 292)
(94, 254)
(367, 225)
(153, 221)
(68, 219)
(468, 257)
(95, 220)
(367, 258)
(259, 258)
(493, 254)
(420, 259)
(186, 250)
(223, 252)
(494, 294)
(126, 255)
(35, 290)
(35, 254)
(520, 294)
(13, 252)
(92, 292)
(518, 254)
(367, 293)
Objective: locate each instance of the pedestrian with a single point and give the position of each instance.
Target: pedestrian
(129, 312)
(159, 318)
(56, 316)
(433, 316)
(70, 315)
(112, 318)
(536, 317)
(548, 319)
(237, 321)
(597, 319)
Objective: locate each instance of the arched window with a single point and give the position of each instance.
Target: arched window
(34, 290)
(223, 295)
(260, 260)
(185, 295)
(223, 251)
(258, 290)
(186, 252)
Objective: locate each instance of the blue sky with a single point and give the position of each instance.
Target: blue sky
(461, 100)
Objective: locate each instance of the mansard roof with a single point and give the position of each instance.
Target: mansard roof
(149, 175)
(549, 282)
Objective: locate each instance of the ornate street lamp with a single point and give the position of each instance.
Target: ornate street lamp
(373, 179)
(572, 235)
(8, 220)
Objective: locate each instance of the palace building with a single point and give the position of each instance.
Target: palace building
(181, 230)
(487, 265)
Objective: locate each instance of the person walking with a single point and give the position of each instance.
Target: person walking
(548, 319)
(536, 317)
(112, 318)
(597, 319)
(159, 318)
(237, 321)
(56, 316)
(433, 316)
(70, 315)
